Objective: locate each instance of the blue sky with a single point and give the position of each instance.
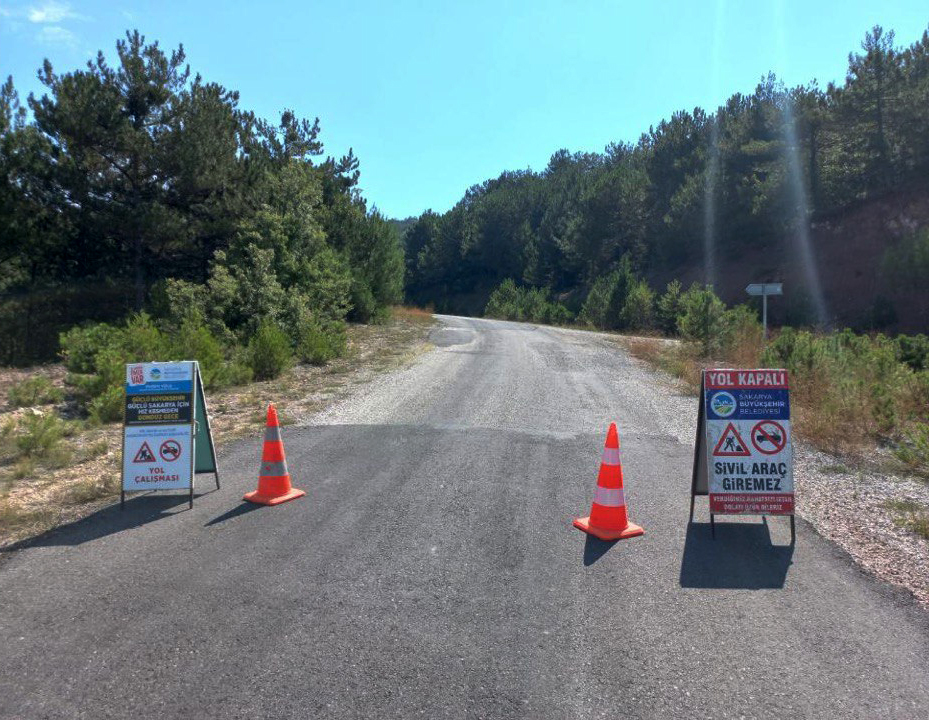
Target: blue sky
(435, 96)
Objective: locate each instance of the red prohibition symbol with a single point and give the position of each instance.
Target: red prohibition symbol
(170, 450)
(769, 437)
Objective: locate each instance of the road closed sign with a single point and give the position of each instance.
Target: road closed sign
(748, 451)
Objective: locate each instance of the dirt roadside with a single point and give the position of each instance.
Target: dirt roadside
(38, 496)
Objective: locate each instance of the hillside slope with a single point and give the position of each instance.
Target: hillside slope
(861, 288)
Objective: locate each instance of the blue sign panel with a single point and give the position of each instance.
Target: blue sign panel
(748, 404)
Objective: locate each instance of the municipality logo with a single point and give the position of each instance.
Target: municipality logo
(723, 404)
(155, 374)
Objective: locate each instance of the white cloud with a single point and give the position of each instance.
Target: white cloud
(56, 35)
(50, 12)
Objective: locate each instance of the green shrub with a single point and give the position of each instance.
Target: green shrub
(596, 309)
(913, 350)
(913, 451)
(319, 343)
(743, 341)
(40, 434)
(504, 301)
(638, 310)
(269, 351)
(80, 346)
(607, 297)
(703, 319)
(364, 304)
(194, 341)
(557, 314)
(33, 391)
(238, 369)
(668, 309)
(508, 301)
(108, 406)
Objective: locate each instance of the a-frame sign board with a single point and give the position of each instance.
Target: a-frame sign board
(743, 459)
(166, 431)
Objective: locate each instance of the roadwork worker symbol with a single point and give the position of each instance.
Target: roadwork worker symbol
(145, 454)
(731, 444)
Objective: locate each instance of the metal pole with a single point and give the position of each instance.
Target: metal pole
(764, 312)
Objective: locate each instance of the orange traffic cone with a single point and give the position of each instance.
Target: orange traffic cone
(607, 519)
(273, 478)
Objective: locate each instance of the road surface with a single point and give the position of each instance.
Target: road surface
(432, 571)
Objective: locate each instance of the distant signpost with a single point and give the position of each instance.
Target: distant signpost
(765, 289)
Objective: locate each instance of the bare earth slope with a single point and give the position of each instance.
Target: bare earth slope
(432, 571)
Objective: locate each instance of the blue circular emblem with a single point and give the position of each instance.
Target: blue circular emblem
(723, 404)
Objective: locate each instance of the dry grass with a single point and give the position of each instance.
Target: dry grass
(80, 471)
(910, 515)
(679, 360)
(413, 314)
(842, 419)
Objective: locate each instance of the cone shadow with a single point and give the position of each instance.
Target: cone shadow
(741, 557)
(595, 548)
(241, 509)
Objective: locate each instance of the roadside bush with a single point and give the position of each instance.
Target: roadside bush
(668, 309)
(97, 355)
(33, 391)
(913, 350)
(318, 343)
(853, 386)
(511, 302)
(744, 337)
(504, 301)
(81, 344)
(194, 341)
(638, 310)
(40, 434)
(596, 308)
(557, 314)
(703, 319)
(607, 297)
(269, 351)
(363, 303)
(913, 450)
(108, 406)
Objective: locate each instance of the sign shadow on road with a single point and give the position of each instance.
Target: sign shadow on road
(741, 557)
(109, 520)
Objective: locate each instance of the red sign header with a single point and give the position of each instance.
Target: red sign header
(727, 379)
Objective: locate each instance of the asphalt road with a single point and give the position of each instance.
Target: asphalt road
(432, 571)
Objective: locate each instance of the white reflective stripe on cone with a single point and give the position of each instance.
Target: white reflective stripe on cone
(274, 469)
(611, 456)
(609, 497)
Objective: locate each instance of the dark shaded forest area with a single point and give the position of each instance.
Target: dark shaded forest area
(140, 185)
(712, 197)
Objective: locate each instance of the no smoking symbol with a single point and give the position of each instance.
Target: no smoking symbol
(170, 450)
(769, 437)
